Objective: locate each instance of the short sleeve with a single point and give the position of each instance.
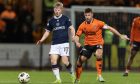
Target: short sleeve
(102, 24)
(105, 26)
(69, 22)
(48, 26)
(80, 30)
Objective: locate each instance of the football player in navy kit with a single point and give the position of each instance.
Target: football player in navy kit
(60, 25)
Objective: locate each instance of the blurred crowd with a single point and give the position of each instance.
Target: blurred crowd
(69, 3)
(48, 4)
(17, 22)
(17, 18)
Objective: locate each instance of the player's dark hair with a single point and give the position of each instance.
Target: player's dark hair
(88, 10)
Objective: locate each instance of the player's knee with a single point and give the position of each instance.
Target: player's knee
(53, 62)
(82, 59)
(99, 56)
(66, 62)
(99, 52)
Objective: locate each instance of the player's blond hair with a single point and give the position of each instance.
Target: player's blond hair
(58, 4)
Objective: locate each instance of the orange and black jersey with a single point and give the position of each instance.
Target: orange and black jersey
(92, 31)
(135, 30)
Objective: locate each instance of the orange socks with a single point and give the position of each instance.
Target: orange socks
(78, 72)
(99, 66)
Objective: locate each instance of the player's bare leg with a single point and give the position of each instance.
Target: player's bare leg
(79, 68)
(130, 61)
(55, 68)
(99, 64)
(68, 65)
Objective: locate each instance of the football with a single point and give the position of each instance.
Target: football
(23, 77)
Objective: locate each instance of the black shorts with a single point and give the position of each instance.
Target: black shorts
(88, 50)
(135, 46)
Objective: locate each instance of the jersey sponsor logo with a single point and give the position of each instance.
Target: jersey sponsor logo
(69, 20)
(89, 33)
(47, 24)
(95, 26)
(57, 24)
(59, 28)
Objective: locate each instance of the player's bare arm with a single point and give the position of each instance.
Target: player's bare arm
(117, 33)
(46, 34)
(76, 40)
(72, 32)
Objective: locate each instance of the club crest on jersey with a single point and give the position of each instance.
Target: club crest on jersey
(47, 24)
(95, 26)
(57, 24)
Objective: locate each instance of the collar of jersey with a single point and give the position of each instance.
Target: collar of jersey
(58, 17)
(90, 21)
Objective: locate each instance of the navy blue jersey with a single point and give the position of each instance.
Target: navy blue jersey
(60, 27)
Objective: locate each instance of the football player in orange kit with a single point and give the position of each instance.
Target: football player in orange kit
(134, 42)
(93, 42)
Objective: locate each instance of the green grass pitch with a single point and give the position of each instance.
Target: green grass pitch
(46, 77)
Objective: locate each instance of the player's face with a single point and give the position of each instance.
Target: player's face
(88, 16)
(57, 11)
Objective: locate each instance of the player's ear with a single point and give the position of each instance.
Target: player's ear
(85, 14)
(53, 9)
(92, 14)
(62, 9)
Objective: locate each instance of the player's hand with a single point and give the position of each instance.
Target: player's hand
(124, 37)
(78, 44)
(39, 42)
